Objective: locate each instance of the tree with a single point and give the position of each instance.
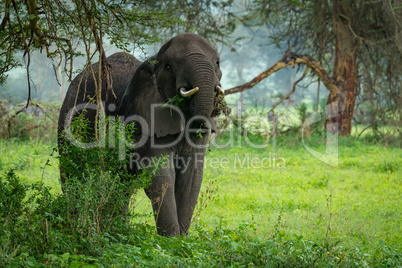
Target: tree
(59, 27)
(339, 40)
(212, 19)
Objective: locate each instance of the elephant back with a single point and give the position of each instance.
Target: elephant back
(82, 88)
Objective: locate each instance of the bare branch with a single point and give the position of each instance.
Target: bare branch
(274, 68)
(27, 51)
(292, 91)
(289, 59)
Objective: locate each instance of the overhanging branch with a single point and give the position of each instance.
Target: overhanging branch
(289, 59)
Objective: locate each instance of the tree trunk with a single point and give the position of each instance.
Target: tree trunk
(341, 100)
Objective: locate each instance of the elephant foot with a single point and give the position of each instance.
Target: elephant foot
(168, 233)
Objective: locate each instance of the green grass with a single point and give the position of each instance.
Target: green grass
(29, 159)
(364, 191)
(352, 209)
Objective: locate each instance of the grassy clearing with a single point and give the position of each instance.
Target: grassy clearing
(255, 186)
(29, 159)
(273, 206)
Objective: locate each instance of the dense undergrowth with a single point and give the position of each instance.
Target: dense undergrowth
(36, 232)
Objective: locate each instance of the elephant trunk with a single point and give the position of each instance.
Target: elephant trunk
(203, 77)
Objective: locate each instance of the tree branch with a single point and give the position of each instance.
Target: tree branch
(290, 59)
(274, 68)
(27, 51)
(292, 91)
(6, 15)
(33, 12)
(103, 62)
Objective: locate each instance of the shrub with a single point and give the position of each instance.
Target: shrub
(39, 120)
(92, 211)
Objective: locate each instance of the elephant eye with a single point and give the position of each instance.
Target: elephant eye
(167, 66)
(217, 63)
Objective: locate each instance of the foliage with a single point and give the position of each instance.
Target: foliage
(12, 193)
(37, 121)
(59, 27)
(318, 28)
(182, 103)
(93, 210)
(302, 112)
(309, 28)
(222, 248)
(209, 18)
(179, 101)
(220, 105)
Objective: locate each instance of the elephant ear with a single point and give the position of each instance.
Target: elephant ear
(145, 105)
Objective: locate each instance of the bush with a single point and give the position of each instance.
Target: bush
(92, 212)
(39, 120)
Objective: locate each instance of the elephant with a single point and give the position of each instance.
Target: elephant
(187, 65)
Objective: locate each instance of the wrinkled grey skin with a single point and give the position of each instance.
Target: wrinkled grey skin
(185, 61)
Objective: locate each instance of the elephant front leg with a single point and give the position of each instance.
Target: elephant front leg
(188, 185)
(161, 194)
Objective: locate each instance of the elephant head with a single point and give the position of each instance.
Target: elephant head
(186, 65)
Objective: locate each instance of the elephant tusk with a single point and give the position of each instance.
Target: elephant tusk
(185, 93)
(220, 90)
